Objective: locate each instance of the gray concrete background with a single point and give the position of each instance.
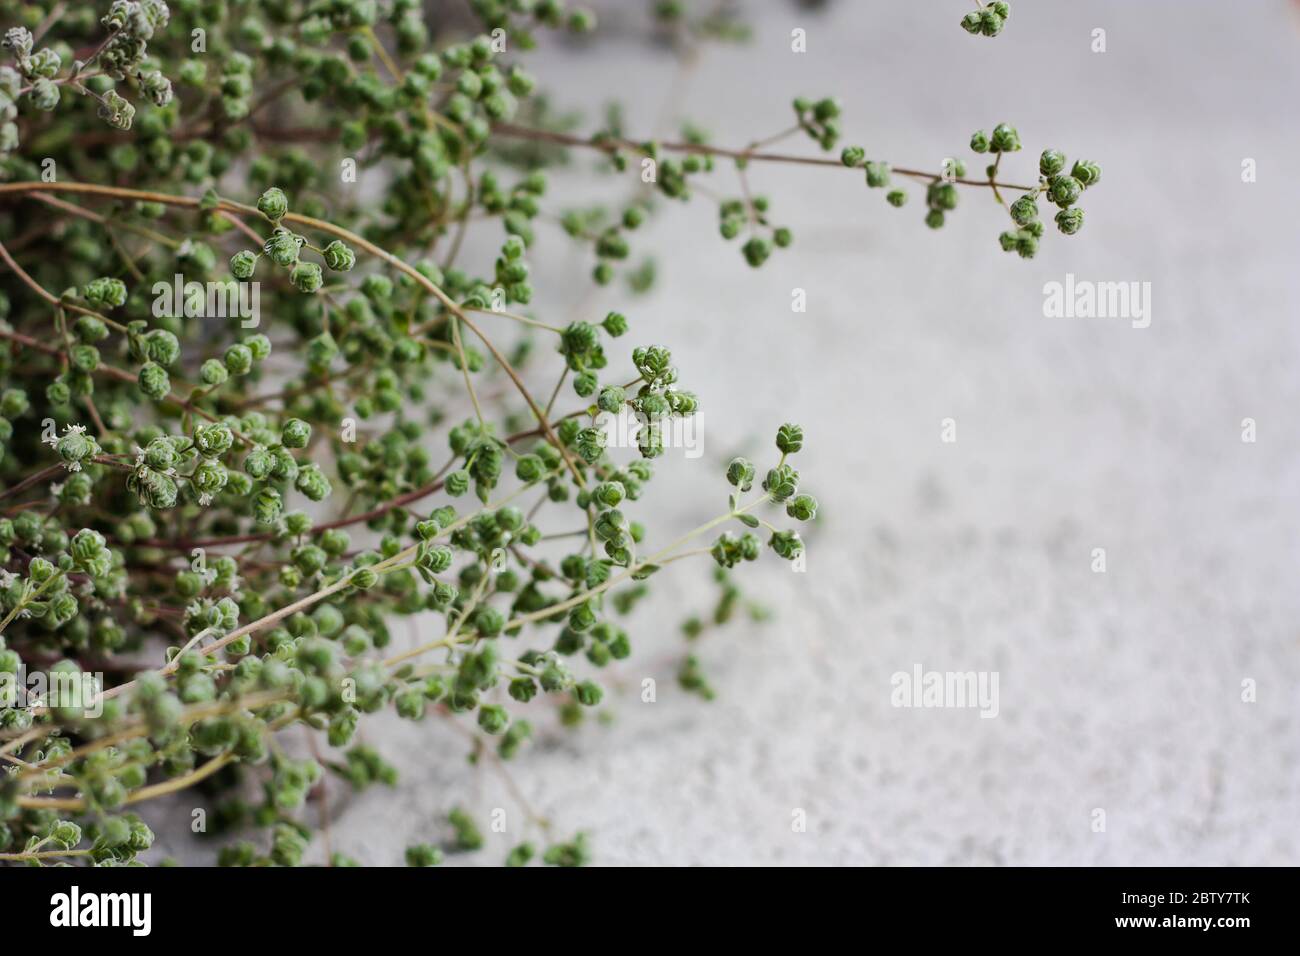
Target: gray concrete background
(1119, 691)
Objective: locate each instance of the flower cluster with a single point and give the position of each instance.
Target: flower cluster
(37, 77)
(225, 482)
(988, 20)
(1060, 188)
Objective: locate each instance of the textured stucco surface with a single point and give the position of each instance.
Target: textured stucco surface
(1119, 691)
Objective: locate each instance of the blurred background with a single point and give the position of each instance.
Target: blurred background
(1119, 691)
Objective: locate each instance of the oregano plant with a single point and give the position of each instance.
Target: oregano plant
(259, 404)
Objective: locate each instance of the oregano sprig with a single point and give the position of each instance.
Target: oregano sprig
(280, 449)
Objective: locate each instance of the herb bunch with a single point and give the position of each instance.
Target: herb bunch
(209, 524)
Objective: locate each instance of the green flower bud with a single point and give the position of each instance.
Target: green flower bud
(65, 833)
(896, 198)
(239, 359)
(158, 490)
(652, 406)
(76, 448)
(781, 483)
(306, 277)
(335, 541)
(339, 257)
(13, 402)
(160, 454)
(523, 689)
(104, 293)
(153, 381)
(422, 854)
(877, 175)
(609, 526)
(802, 507)
(611, 399)
(1005, 139)
(259, 346)
(1051, 162)
(89, 328)
(729, 551)
(1087, 173)
(209, 477)
(519, 82)
(789, 439)
(295, 433)
(433, 558)
(213, 373)
(787, 544)
(510, 519)
(615, 323)
(609, 494)
(58, 393)
(468, 836)
(1024, 210)
(84, 358)
(162, 347)
(312, 482)
(44, 94)
(243, 264)
(940, 195)
(493, 719)
(87, 546)
(756, 251)
(590, 444)
(116, 111)
(213, 439)
(740, 472)
(457, 483)
(259, 462)
(979, 141)
(530, 468)
(157, 87)
(273, 204)
(20, 41)
(990, 23)
(283, 247)
(267, 506)
(588, 694)
(1065, 190)
(1070, 221)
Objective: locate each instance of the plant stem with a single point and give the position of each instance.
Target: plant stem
(615, 144)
